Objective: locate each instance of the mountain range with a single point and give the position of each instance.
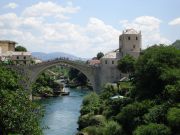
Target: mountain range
(49, 56)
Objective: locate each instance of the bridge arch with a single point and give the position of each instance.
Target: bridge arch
(89, 71)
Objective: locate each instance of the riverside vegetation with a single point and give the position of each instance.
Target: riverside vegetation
(18, 114)
(149, 103)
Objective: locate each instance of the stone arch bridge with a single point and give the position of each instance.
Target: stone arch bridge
(30, 73)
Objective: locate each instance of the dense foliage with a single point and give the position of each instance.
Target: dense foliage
(18, 114)
(152, 129)
(156, 68)
(20, 49)
(126, 64)
(46, 85)
(147, 104)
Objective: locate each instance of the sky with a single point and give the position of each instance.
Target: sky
(85, 27)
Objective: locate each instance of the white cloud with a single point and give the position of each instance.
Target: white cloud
(46, 9)
(11, 5)
(175, 21)
(38, 34)
(150, 28)
(10, 20)
(34, 30)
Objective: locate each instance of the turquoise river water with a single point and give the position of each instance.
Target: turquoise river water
(61, 113)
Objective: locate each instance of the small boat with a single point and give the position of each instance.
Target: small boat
(64, 92)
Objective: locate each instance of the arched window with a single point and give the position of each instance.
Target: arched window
(136, 38)
(129, 38)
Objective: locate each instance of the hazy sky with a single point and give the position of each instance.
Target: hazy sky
(85, 27)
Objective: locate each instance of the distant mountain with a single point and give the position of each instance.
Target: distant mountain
(50, 56)
(176, 44)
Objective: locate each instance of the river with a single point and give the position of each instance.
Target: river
(61, 113)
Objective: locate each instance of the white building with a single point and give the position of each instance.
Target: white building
(8, 54)
(129, 43)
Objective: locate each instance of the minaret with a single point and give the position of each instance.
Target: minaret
(130, 43)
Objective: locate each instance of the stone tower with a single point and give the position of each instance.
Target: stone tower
(130, 43)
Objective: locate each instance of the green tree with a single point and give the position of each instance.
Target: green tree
(112, 128)
(20, 49)
(18, 115)
(126, 64)
(100, 55)
(109, 128)
(131, 115)
(152, 129)
(157, 114)
(153, 70)
(173, 117)
(90, 104)
(173, 92)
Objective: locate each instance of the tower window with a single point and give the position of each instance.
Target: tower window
(134, 46)
(136, 38)
(105, 61)
(129, 38)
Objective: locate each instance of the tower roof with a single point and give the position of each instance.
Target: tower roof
(130, 31)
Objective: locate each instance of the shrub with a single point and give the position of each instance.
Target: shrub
(90, 104)
(173, 92)
(93, 130)
(112, 128)
(132, 115)
(157, 114)
(114, 106)
(97, 120)
(173, 118)
(152, 129)
(84, 121)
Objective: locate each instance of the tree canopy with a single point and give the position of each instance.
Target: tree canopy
(20, 49)
(126, 64)
(155, 68)
(18, 114)
(100, 55)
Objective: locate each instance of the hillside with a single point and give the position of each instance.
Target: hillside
(176, 44)
(49, 56)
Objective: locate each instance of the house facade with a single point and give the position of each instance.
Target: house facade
(9, 55)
